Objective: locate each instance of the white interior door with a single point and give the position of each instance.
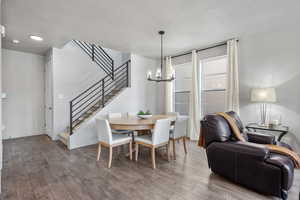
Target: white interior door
(49, 97)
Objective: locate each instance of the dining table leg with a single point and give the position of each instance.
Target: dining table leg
(153, 157)
(136, 151)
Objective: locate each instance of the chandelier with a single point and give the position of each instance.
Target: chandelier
(158, 74)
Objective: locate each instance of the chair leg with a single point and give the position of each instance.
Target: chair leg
(136, 151)
(119, 149)
(99, 152)
(153, 157)
(168, 151)
(130, 150)
(110, 156)
(174, 150)
(184, 145)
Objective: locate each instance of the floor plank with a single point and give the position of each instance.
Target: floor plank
(36, 168)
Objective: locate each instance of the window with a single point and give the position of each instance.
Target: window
(183, 83)
(214, 75)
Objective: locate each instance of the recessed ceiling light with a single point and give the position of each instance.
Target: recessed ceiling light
(36, 38)
(15, 41)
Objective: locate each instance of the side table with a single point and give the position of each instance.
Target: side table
(283, 130)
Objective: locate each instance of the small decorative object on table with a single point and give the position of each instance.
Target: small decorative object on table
(275, 121)
(144, 115)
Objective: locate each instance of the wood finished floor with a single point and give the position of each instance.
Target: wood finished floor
(37, 168)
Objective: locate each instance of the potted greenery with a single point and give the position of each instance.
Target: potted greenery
(144, 115)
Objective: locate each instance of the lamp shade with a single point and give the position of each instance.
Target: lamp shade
(267, 95)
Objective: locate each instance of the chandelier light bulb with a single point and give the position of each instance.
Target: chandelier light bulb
(173, 73)
(149, 74)
(158, 73)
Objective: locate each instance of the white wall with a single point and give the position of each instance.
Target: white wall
(118, 57)
(141, 95)
(271, 59)
(23, 82)
(73, 72)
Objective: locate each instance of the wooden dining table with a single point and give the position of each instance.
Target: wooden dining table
(137, 124)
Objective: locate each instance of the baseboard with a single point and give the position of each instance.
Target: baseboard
(25, 136)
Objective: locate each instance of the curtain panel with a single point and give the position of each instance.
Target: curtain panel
(195, 98)
(169, 87)
(232, 92)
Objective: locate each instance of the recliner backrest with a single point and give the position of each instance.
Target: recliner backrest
(215, 129)
(237, 120)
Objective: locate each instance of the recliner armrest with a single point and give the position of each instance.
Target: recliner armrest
(260, 138)
(246, 150)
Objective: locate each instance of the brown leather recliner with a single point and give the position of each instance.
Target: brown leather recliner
(250, 163)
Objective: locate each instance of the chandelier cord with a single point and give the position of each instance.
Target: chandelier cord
(159, 77)
(161, 53)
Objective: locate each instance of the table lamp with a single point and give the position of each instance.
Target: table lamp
(263, 96)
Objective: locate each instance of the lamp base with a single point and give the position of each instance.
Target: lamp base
(263, 115)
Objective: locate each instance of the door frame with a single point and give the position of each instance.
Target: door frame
(49, 96)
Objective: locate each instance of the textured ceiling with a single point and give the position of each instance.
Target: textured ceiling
(131, 26)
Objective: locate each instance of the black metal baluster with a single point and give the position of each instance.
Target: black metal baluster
(71, 118)
(112, 70)
(83, 102)
(103, 95)
(93, 52)
(98, 55)
(127, 74)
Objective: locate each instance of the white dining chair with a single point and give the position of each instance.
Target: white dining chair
(109, 140)
(159, 138)
(118, 115)
(173, 114)
(179, 133)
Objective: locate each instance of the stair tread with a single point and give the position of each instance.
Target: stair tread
(64, 135)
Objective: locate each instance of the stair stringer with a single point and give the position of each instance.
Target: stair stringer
(86, 134)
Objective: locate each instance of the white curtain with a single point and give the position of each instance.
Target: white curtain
(232, 94)
(195, 98)
(169, 98)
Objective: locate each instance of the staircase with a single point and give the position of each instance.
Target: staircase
(97, 96)
(99, 56)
